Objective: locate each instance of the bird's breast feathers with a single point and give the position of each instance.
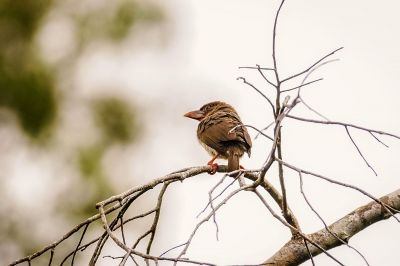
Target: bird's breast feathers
(210, 150)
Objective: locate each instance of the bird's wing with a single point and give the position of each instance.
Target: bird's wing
(247, 139)
(216, 133)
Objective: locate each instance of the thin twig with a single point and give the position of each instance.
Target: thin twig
(210, 193)
(377, 139)
(252, 127)
(274, 46)
(313, 110)
(271, 158)
(80, 241)
(265, 128)
(153, 228)
(313, 65)
(293, 228)
(303, 82)
(359, 151)
(343, 124)
(83, 247)
(216, 208)
(265, 78)
(122, 229)
(257, 90)
(120, 257)
(302, 85)
(313, 70)
(388, 208)
(346, 227)
(308, 251)
(51, 257)
(170, 249)
(256, 67)
(144, 256)
(323, 221)
(103, 239)
(66, 236)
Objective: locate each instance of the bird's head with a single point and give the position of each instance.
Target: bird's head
(207, 109)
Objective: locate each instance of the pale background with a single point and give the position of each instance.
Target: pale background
(207, 41)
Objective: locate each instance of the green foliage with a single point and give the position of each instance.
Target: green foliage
(116, 122)
(114, 23)
(89, 161)
(96, 184)
(30, 93)
(22, 18)
(26, 84)
(122, 20)
(115, 119)
(128, 13)
(28, 88)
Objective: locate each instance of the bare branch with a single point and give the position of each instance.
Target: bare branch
(262, 94)
(323, 221)
(359, 151)
(313, 65)
(265, 78)
(309, 253)
(344, 228)
(344, 125)
(388, 208)
(313, 70)
(265, 128)
(274, 46)
(80, 241)
(253, 127)
(303, 82)
(216, 208)
(294, 229)
(302, 85)
(256, 67)
(145, 256)
(66, 236)
(377, 139)
(313, 110)
(170, 249)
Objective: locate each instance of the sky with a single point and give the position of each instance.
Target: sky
(194, 59)
(214, 38)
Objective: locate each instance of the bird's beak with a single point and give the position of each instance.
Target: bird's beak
(197, 115)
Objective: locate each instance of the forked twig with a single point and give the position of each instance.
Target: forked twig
(323, 221)
(343, 124)
(313, 65)
(388, 208)
(302, 85)
(257, 90)
(359, 151)
(293, 228)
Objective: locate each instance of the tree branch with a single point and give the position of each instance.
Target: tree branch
(294, 251)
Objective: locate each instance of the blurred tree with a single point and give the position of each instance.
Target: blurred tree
(26, 84)
(116, 123)
(30, 90)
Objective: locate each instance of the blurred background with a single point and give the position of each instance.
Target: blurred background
(92, 97)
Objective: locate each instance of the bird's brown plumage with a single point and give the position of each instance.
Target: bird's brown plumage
(221, 133)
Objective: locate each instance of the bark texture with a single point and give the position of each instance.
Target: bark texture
(294, 252)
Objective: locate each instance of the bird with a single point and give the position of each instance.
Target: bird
(221, 133)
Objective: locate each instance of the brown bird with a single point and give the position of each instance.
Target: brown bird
(221, 133)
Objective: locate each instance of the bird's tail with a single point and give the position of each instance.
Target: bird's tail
(233, 164)
(233, 160)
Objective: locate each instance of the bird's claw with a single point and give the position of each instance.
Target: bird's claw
(214, 167)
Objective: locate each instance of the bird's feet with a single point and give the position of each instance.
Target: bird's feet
(214, 167)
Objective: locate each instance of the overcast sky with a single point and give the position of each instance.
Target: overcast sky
(210, 40)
